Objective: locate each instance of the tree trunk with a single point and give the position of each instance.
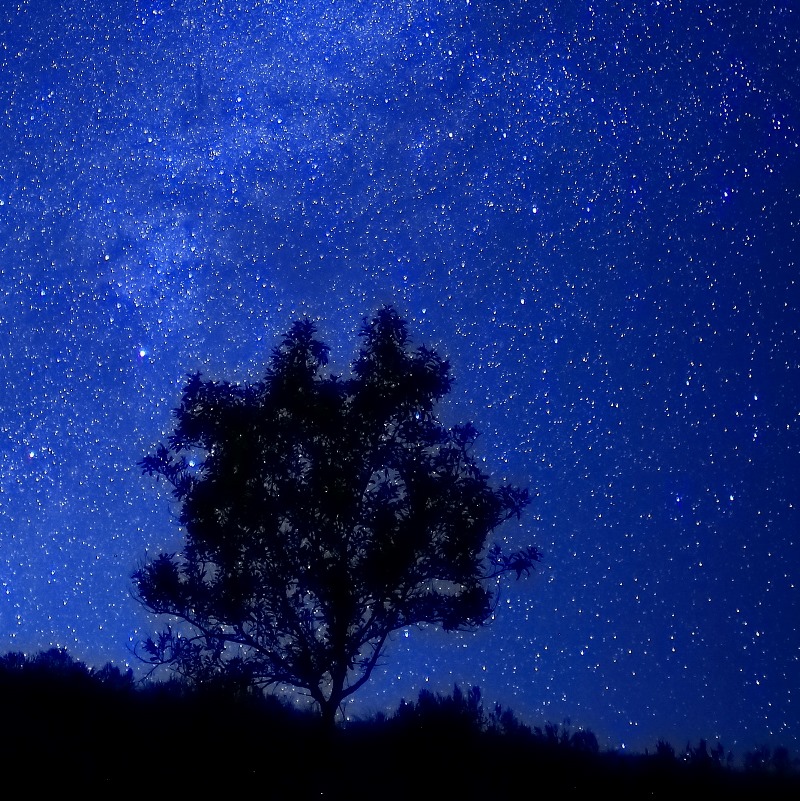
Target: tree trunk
(328, 769)
(328, 710)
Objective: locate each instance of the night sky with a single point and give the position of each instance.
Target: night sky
(592, 209)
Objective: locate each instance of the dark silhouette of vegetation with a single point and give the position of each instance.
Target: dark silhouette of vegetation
(321, 515)
(66, 726)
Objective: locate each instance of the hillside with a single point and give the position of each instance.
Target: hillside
(69, 727)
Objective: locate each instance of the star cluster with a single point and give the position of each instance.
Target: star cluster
(590, 208)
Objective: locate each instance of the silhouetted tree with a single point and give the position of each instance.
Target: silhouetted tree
(459, 712)
(321, 515)
(665, 752)
(701, 757)
(758, 759)
(782, 762)
(764, 759)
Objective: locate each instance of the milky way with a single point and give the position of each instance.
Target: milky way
(591, 209)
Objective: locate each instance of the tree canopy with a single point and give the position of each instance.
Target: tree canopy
(321, 514)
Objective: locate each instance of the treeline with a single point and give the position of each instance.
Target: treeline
(67, 726)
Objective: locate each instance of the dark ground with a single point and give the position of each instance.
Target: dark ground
(66, 727)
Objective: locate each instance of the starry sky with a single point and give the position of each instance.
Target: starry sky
(591, 208)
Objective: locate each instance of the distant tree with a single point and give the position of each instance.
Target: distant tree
(764, 759)
(112, 678)
(321, 515)
(581, 740)
(56, 665)
(665, 752)
(782, 762)
(503, 721)
(13, 663)
(460, 712)
(702, 757)
(584, 741)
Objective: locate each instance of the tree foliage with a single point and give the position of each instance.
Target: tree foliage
(322, 514)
